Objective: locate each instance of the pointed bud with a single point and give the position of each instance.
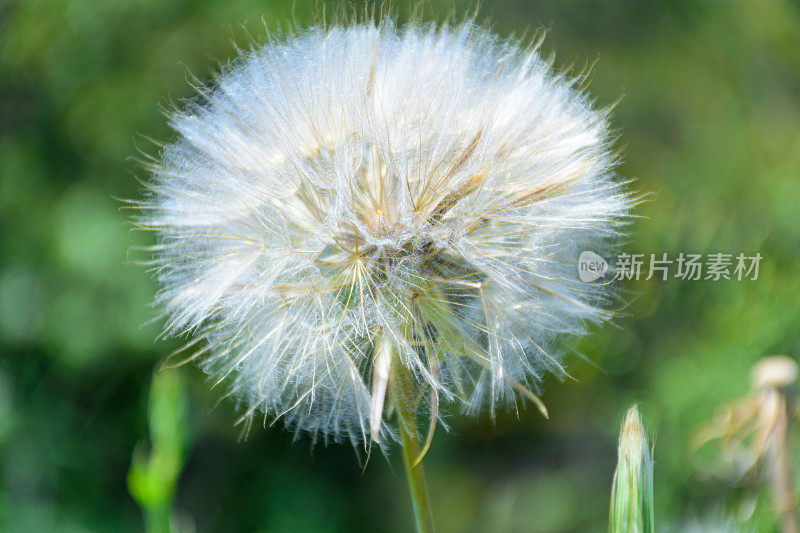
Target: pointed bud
(632, 492)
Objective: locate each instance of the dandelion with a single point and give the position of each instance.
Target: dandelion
(756, 431)
(359, 223)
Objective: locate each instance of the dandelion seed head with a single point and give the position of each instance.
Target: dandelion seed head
(431, 185)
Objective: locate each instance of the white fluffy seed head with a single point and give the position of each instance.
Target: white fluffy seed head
(429, 185)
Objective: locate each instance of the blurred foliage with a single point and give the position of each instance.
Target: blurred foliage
(710, 121)
(153, 477)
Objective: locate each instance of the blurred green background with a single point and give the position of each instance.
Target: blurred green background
(710, 121)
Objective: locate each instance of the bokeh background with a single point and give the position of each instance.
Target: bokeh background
(709, 118)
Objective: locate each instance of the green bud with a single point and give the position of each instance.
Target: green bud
(632, 492)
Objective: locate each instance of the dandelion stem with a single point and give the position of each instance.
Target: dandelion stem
(404, 398)
(416, 483)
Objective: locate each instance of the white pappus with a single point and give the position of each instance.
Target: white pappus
(357, 197)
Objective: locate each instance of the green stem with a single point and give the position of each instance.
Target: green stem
(416, 484)
(157, 518)
(404, 397)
